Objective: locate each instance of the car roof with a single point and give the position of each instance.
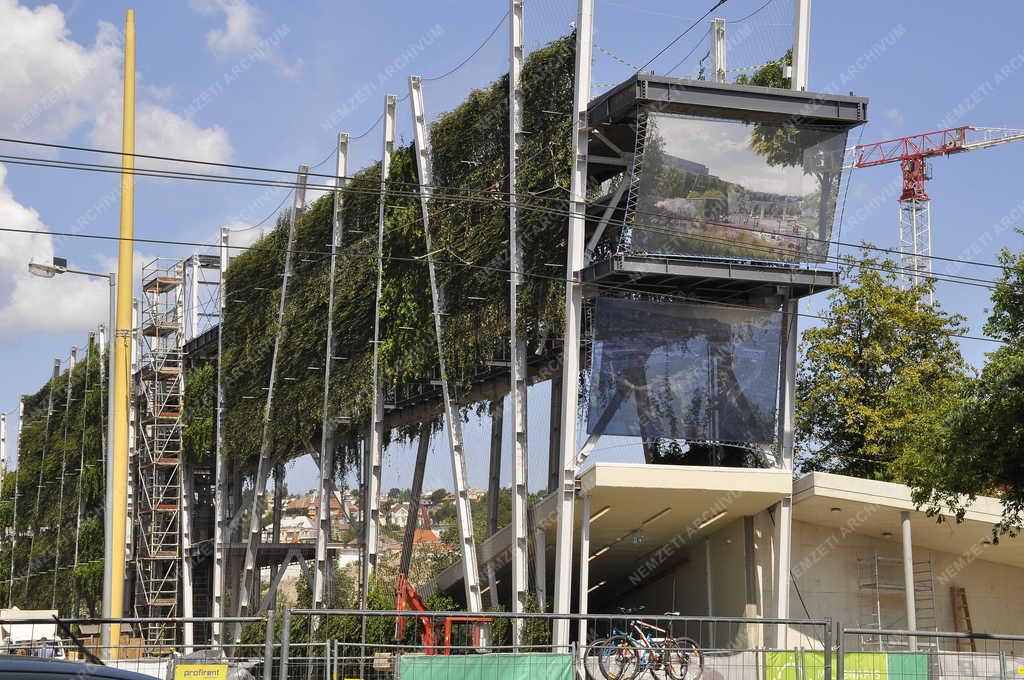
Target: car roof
(47, 669)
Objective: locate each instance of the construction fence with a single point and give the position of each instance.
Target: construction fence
(338, 644)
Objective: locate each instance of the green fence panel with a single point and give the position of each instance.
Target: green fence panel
(797, 665)
(487, 667)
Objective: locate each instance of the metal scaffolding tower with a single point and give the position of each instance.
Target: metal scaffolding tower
(159, 559)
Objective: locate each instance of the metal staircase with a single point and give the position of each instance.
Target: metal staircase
(158, 460)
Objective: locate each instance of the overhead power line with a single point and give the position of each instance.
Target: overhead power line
(680, 36)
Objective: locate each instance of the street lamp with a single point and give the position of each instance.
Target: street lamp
(59, 265)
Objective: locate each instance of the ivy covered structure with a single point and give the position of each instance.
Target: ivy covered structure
(708, 211)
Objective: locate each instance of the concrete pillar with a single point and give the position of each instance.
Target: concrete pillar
(584, 570)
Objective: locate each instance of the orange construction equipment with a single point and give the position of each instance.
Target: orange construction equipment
(406, 598)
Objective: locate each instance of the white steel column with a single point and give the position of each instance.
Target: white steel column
(14, 518)
(187, 562)
(517, 344)
(248, 581)
(908, 578)
(108, 461)
(784, 515)
(372, 480)
(194, 297)
(573, 317)
(3, 447)
(470, 572)
(718, 50)
(584, 570)
(801, 42)
(220, 484)
(323, 533)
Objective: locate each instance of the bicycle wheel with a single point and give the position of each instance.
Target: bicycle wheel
(683, 659)
(618, 659)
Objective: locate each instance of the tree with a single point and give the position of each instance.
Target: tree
(980, 442)
(876, 376)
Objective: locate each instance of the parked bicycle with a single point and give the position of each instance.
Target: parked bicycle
(642, 647)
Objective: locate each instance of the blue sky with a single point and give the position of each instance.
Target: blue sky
(924, 66)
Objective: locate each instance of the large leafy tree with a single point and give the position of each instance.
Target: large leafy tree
(979, 444)
(876, 374)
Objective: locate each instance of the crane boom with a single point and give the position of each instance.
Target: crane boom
(912, 152)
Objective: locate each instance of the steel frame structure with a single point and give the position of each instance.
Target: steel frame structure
(573, 318)
(471, 580)
(249, 579)
(222, 475)
(375, 452)
(517, 343)
(322, 575)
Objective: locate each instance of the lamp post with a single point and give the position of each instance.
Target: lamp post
(59, 265)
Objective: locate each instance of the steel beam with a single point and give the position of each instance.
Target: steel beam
(573, 318)
(517, 343)
(718, 50)
(326, 464)
(39, 484)
(376, 449)
(494, 491)
(249, 575)
(471, 575)
(555, 431)
(415, 497)
(63, 473)
(221, 500)
(801, 43)
(187, 563)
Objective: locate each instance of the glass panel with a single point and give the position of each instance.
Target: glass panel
(725, 188)
(695, 372)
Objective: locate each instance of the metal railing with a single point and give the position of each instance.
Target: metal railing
(306, 644)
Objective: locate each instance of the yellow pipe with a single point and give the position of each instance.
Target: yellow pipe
(122, 339)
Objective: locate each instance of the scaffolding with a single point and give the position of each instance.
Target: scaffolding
(158, 474)
(883, 598)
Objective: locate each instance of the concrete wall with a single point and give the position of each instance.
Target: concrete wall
(826, 583)
(825, 567)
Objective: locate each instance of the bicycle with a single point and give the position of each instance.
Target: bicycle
(643, 647)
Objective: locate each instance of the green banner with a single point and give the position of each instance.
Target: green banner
(799, 665)
(487, 667)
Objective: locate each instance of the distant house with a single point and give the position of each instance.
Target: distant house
(398, 515)
(297, 529)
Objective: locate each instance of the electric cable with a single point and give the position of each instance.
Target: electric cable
(672, 42)
(473, 54)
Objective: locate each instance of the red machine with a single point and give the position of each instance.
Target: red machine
(406, 598)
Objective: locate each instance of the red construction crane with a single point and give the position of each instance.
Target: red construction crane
(912, 153)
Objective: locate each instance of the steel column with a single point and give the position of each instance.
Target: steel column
(573, 317)
(248, 580)
(471, 575)
(39, 485)
(63, 472)
(220, 495)
(14, 518)
(323, 533)
(784, 516)
(517, 343)
(81, 465)
(718, 50)
(187, 563)
(494, 491)
(801, 43)
(584, 568)
(376, 449)
(908, 579)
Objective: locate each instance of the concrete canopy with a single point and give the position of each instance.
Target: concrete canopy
(873, 508)
(642, 515)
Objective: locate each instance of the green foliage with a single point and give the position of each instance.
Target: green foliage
(978, 441)
(198, 420)
(770, 75)
(469, 226)
(875, 375)
(45, 450)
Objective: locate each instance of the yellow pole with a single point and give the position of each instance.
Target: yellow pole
(122, 339)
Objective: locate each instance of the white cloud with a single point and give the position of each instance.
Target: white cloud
(242, 34)
(895, 115)
(28, 303)
(53, 86)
